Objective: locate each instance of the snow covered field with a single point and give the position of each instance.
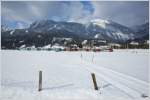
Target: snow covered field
(121, 75)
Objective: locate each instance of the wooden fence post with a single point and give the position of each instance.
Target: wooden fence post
(94, 81)
(40, 80)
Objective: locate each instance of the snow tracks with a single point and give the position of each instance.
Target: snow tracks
(132, 87)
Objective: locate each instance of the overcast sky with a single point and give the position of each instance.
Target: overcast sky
(20, 14)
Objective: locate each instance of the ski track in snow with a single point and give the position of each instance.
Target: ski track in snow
(133, 87)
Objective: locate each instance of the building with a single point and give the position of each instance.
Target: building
(63, 41)
(134, 43)
(114, 45)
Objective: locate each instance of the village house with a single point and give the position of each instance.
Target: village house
(114, 45)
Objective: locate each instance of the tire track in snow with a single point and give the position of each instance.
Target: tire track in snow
(131, 86)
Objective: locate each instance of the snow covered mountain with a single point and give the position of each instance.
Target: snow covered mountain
(4, 28)
(110, 31)
(105, 29)
(48, 26)
(142, 32)
(41, 32)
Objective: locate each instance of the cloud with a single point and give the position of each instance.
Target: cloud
(26, 12)
(11, 15)
(14, 15)
(35, 10)
(77, 12)
(128, 13)
(20, 25)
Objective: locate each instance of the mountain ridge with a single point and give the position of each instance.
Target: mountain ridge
(41, 32)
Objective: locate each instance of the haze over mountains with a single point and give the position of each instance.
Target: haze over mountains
(41, 32)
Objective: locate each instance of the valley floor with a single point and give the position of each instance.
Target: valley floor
(121, 75)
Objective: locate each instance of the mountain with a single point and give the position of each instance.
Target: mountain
(105, 29)
(110, 31)
(48, 26)
(4, 28)
(41, 33)
(141, 32)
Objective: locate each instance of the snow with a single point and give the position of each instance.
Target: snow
(39, 36)
(113, 29)
(57, 47)
(124, 61)
(11, 33)
(100, 22)
(97, 36)
(134, 43)
(26, 31)
(23, 46)
(84, 42)
(47, 46)
(120, 35)
(121, 75)
(114, 44)
(5, 28)
(54, 27)
(21, 41)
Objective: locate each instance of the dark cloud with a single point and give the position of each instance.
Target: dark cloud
(128, 13)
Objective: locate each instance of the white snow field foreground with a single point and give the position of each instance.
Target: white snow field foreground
(120, 75)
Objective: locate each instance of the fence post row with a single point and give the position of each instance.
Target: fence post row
(92, 74)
